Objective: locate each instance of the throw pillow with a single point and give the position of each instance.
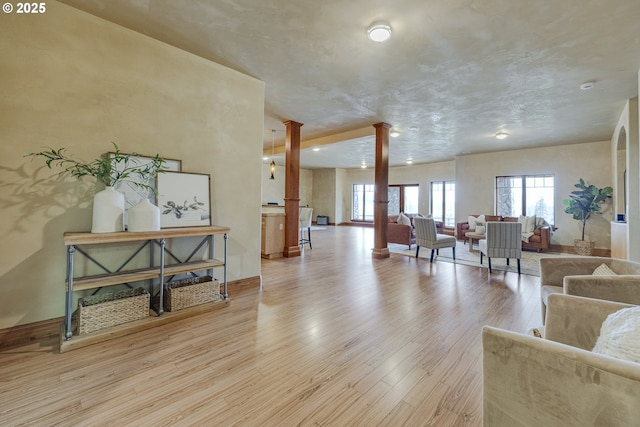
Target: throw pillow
(604, 270)
(620, 335)
(528, 223)
(473, 221)
(480, 229)
(403, 219)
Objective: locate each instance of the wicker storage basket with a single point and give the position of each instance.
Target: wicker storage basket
(189, 292)
(111, 309)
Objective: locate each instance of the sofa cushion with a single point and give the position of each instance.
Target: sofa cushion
(393, 218)
(474, 221)
(620, 335)
(603, 270)
(403, 219)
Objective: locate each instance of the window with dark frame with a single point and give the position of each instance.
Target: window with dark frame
(526, 195)
(443, 202)
(402, 198)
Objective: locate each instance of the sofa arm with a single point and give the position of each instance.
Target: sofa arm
(529, 381)
(399, 233)
(461, 228)
(545, 236)
(553, 270)
(625, 289)
(576, 321)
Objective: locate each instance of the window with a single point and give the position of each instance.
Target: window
(443, 202)
(526, 195)
(362, 202)
(402, 198)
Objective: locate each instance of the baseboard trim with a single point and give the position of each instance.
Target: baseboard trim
(50, 328)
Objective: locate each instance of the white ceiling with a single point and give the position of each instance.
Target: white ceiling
(453, 74)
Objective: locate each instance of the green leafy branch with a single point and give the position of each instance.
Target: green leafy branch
(586, 201)
(104, 168)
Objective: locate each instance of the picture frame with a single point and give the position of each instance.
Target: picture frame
(184, 199)
(133, 194)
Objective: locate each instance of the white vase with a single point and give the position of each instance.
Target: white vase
(108, 211)
(144, 216)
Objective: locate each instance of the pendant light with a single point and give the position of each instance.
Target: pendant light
(272, 166)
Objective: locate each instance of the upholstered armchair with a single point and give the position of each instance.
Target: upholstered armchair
(504, 240)
(427, 236)
(557, 381)
(575, 276)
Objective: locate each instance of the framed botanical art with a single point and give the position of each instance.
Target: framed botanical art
(183, 199)
(133, 194)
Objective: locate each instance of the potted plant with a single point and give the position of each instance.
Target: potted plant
(109, 169)
(582, 203)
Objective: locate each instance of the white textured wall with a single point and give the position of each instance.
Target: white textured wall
(72, 80)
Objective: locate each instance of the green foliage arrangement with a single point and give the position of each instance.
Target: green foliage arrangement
(586, 201)
(110, 169)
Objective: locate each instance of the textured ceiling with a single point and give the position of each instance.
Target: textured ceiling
(453, 74)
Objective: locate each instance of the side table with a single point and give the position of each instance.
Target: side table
(474, 236)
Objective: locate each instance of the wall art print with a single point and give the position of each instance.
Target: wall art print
(134, 194)
(183, 199)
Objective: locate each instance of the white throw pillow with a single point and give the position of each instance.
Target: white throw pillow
(473, 221)
(620, 335)
(480, 229)
(403, 219)
(528, 223)
(604, 270)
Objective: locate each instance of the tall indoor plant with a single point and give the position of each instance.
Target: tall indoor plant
(109, 169)
(581, 204)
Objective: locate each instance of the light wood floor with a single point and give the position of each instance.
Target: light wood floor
(332, 338)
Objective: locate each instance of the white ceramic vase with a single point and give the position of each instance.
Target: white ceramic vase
(108, 211)
(144, 216)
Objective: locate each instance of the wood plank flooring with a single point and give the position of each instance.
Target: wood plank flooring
(332, 338)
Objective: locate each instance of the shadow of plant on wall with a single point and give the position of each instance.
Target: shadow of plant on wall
(26, 194)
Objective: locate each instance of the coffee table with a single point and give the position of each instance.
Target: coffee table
(474, 236)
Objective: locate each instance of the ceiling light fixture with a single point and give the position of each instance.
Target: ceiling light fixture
(409, 161)
(394, 133)
(272, 166)
(379, 32)
(587, 85)
(316, 149)
(363, 165)
(501, 135)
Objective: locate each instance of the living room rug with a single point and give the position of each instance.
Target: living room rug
(529, 263)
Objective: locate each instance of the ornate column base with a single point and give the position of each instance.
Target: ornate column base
(380, 253)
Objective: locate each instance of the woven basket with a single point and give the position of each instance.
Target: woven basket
(584, 247)
(189, 292)
(111, 309)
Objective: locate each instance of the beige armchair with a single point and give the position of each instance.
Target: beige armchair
(574, 276)
(428, 237)
(557, 381)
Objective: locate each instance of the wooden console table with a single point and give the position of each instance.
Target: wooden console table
(75, 241)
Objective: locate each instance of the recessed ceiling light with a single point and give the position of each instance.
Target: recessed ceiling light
(501, 135)
(394, 133)
(379, 32)
(587, 85)
(265, 158)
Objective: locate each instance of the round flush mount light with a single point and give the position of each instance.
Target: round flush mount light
(409, 161)
(394, 133)
(501, 135)
(587, 85)
(379, 32)
(316, 149)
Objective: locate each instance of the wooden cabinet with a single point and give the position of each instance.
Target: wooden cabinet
(160, 266)
(272, 235)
